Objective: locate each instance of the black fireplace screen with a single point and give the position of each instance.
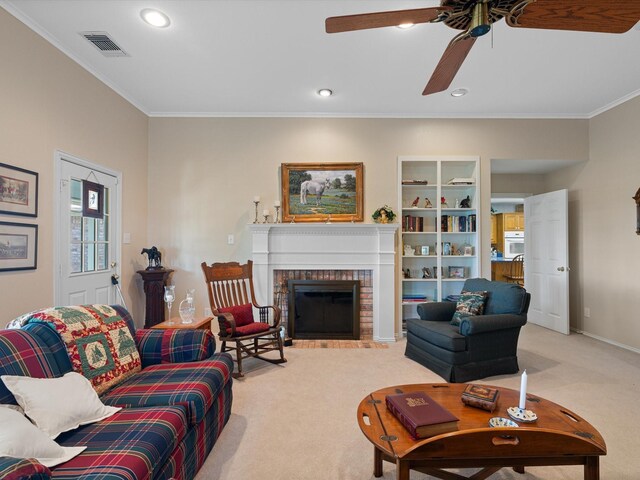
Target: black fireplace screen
(324, 309)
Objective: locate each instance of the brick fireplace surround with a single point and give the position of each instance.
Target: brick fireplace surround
(341, 251)
(280, 278)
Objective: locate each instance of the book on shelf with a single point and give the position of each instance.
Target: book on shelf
(458, 223)
(480, 396)
(415, 182)
(420, 414)
(411, 223)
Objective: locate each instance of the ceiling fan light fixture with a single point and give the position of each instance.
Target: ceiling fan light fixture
(459, 92)
(405, 26)
(325, 92)
(155, 18)
(480, 24)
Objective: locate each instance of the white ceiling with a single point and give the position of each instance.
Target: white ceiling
(269, 57)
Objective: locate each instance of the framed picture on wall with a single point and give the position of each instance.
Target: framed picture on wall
(18, 191)
(18, 246)
(317, 192)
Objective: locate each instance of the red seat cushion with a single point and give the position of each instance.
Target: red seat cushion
(250, 329)
(242, 314)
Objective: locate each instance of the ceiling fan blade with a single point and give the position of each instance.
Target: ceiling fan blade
(449, 65)
(363, 21)
(611, 16)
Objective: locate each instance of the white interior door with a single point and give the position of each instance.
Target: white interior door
(546, 259)
(87, 247)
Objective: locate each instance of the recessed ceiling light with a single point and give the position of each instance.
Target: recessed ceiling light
(325, 92)
(459, 92)
(405, 26)
(155, 18)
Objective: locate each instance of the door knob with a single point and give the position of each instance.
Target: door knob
(561, 269)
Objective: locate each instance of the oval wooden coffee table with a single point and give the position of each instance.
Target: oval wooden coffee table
(557, 437)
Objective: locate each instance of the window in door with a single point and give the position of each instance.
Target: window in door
(89, 245)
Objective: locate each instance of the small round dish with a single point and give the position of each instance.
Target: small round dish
(522, 415)
(502, 422)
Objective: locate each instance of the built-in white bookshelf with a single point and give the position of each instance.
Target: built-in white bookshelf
(443, 237)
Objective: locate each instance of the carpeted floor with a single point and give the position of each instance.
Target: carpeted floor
(298, 420)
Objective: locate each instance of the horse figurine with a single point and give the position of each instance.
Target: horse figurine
(155, 257)
(314, 188)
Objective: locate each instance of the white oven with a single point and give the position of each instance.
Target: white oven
(513, 244)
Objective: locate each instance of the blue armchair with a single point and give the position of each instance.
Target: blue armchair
(482, 345)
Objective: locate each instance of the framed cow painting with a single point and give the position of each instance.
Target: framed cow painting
(322, 192)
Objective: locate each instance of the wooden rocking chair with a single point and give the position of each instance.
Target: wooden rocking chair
(232, 299)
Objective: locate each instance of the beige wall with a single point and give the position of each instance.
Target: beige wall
(49, 103)
(204, 172)
(518, 183)
(605, 250)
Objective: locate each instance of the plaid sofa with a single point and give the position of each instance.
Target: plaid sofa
(174, 409)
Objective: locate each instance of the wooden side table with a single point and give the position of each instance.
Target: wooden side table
(154, 281)
(198, 323)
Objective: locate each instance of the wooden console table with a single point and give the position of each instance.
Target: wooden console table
(154, 281)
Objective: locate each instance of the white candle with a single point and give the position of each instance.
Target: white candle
(523, 390)
(265, 211)
(276, 203)
(256, 199)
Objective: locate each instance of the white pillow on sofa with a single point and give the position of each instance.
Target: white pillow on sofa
(57, 405)
(21, 439)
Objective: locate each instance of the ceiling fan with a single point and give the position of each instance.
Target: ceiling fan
(475, 17)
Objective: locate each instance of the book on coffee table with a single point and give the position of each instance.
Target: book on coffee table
(480, 396)
(420, 414)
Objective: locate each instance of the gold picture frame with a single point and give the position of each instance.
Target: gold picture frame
(321, 192)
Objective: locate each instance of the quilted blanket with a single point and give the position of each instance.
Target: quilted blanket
(98, 340)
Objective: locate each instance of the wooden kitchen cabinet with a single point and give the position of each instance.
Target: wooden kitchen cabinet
(494, 230)
(505, 222)
(513, 221)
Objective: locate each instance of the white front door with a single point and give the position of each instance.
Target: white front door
(546, 259)
(87, 247)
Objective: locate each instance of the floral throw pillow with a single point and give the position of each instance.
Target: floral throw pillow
(469, 303)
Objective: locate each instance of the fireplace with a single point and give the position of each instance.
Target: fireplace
(336, 251)
(320, 309)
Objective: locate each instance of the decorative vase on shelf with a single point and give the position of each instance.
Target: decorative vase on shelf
(187, 308)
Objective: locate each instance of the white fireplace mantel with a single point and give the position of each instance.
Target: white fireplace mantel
(335, 246)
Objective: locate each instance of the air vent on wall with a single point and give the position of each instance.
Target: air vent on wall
(105, 44)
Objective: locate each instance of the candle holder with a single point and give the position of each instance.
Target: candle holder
(277, 218)
(256, 203)
(328, 219)
(266, 217)
(522, 414)
(293, 219)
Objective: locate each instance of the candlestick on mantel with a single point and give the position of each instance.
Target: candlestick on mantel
(276, 203)
(256, 201)
(523, 391)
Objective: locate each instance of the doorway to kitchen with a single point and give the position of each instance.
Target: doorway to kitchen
(517, 186)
